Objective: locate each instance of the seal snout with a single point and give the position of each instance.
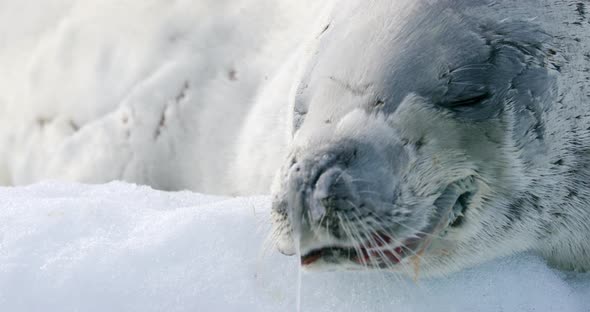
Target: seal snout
(325, 187)
(333, 191)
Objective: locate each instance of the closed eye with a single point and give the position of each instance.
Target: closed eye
(469, 101)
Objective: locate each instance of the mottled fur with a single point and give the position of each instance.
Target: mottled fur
(406, 99)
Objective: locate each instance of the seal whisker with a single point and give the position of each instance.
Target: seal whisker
(389, 264)
(431, 235)
(369, 192)
(371, 237)
(357, 244)
(416, 231)
(364, 254)
(363, 236)
(400, 243)
(357, 180)
(391, 219)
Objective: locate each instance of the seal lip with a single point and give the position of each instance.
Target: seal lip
(381, 252)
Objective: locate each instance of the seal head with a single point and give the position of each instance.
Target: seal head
(417, 128)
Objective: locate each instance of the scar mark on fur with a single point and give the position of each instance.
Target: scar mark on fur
(182, 94)
(324, 30)
(161, 124)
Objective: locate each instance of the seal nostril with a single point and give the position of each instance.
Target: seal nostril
(334, 191)
(296, 168)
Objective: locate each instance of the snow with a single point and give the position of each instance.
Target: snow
(123, 247)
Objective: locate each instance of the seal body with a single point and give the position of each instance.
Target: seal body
(434, 135)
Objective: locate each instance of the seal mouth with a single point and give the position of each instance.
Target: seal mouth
(380, 252)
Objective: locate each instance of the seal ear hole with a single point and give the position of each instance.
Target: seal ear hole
(459, 209)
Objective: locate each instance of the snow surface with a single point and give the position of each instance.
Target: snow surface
(122, 247)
